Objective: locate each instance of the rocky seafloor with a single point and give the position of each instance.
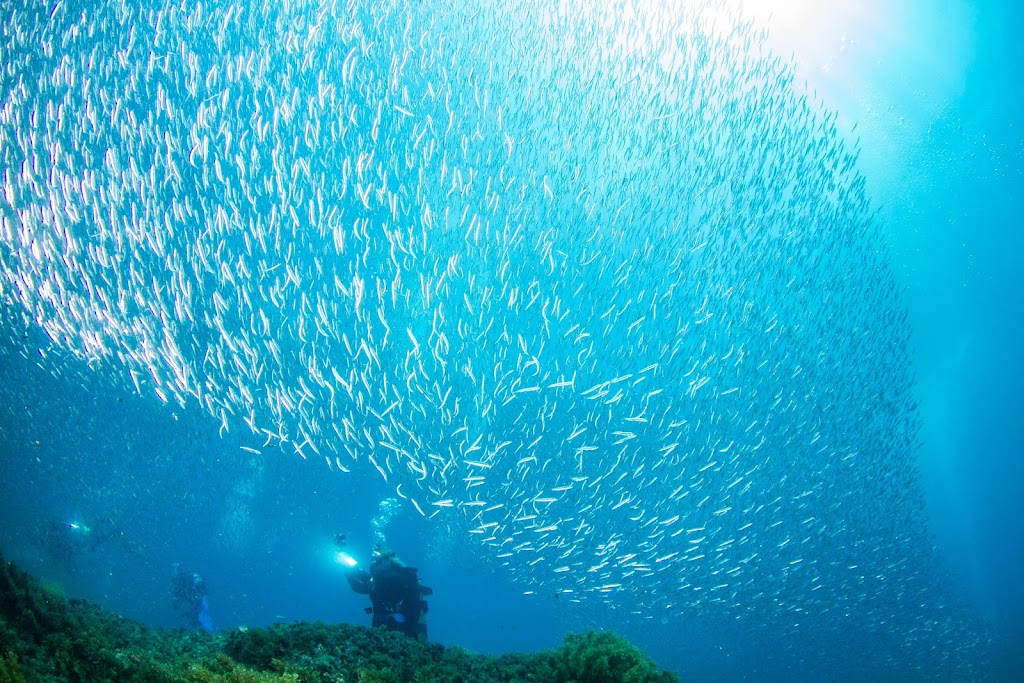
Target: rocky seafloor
(46, 637)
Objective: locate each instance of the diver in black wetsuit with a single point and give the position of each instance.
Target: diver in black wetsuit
(396, 594)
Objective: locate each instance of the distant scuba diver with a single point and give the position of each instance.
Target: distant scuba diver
(65, 541)
(188, 593)
(396, 594)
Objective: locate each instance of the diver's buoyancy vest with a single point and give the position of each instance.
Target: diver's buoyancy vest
(396, 589)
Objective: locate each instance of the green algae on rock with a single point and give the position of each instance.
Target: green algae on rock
(46, 637)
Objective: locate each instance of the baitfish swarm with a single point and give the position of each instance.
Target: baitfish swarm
(595, 284)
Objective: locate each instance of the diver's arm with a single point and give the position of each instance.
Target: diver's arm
(358, 580)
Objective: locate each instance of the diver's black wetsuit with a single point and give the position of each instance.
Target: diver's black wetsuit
(396, 595)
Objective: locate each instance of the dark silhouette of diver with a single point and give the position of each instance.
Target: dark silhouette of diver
(64, 542)
(188, 593)
(396, 595)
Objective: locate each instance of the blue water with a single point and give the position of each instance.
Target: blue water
(934, 93)
(935, 90)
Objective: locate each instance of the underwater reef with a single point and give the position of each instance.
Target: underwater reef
(46, 637)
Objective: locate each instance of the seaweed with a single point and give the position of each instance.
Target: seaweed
(50, 638)
(10, 672)
(604, 657)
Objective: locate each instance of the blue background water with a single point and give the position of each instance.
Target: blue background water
(934, 90)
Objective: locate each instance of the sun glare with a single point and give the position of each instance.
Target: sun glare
(780, 14)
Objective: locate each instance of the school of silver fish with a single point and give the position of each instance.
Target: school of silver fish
(601, 288)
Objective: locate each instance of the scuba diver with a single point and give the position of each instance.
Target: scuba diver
(188, 594)
(63, 542)
(396, 594)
